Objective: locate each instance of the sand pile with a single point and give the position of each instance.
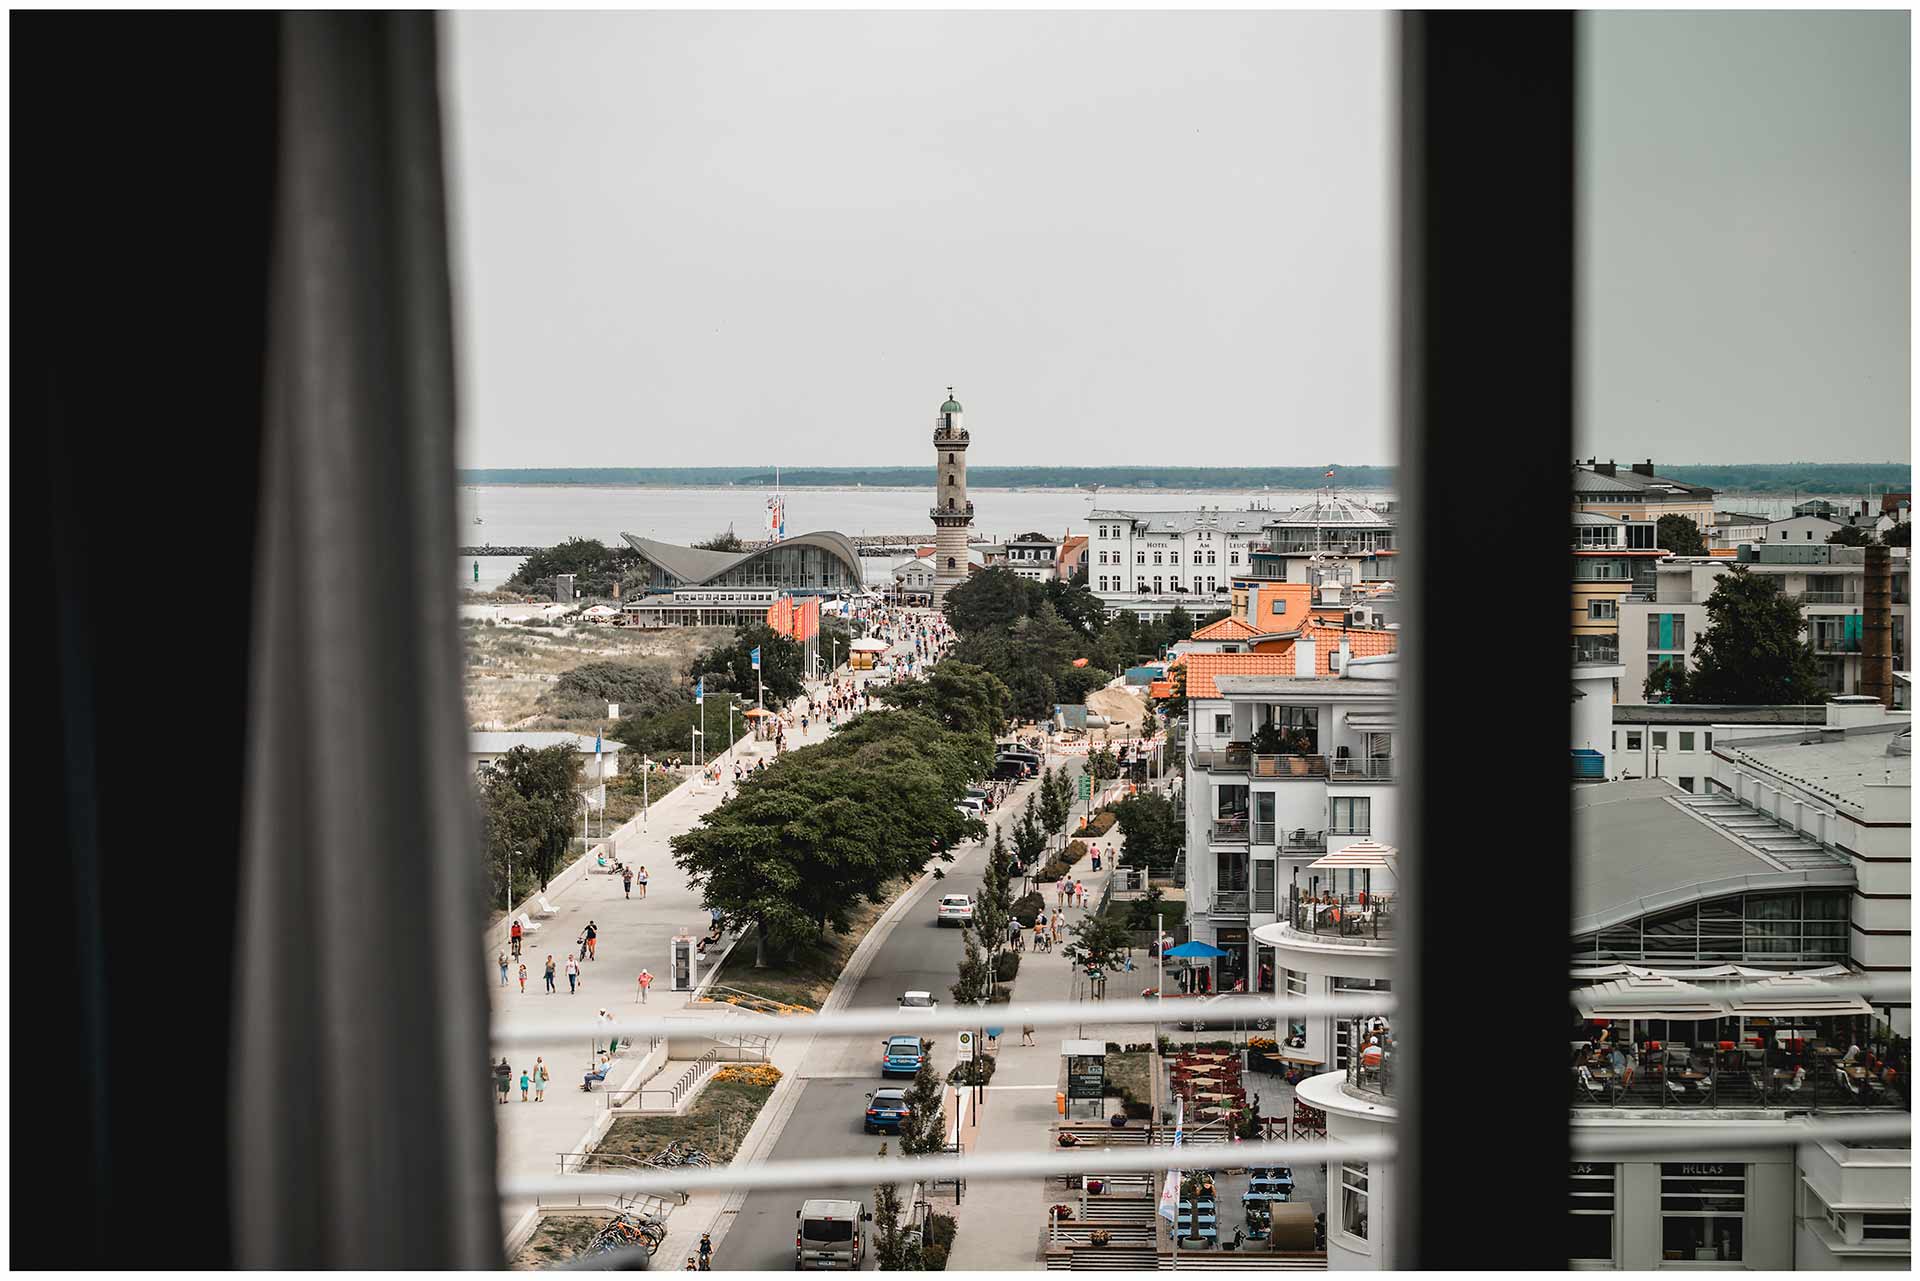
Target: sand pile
(1119, 706)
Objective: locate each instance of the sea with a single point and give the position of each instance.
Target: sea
(544, 515)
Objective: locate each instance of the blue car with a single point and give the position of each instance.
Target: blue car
(886, 1109)
(903, 1056)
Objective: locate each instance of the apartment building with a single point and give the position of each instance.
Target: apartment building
(1033, 557)
(1675, 741)
(1285, 767)
(1637, 493)
(1329, 539)
(1658, 622)
(1151, 561)
(1613, 557)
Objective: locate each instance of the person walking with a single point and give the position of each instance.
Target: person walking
(526, 1084)
(514, 936)
(550, 988)
(502, 1076)
(503, 969)
(593, 939)
(573, 975)
(540, 1076)
(1026, 1034)
(626, 882)
(646, 981)
(642, 879)
(523, 978)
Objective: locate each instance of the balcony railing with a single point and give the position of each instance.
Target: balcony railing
(1355, 916)
(1374, 767)
(1831, 598)
(1302, 841)
(941, 431)
(1230, 831)
(1230, 902)
(1263, 833)
(1598, 650)
(959, 509)
(1231, 760)
(1290, 766)
(1828, 643)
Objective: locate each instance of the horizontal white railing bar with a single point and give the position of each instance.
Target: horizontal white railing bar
(952, 1018)
(841, 1171)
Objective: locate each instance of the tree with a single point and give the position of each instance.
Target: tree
(896, 1248)
(1103, 764)
(961, 696)
(1056, 801)
(993, 906)
(639, 688)
(726, 541)
(974, 986)
(1851, 536)
(1179, 625)
(1079, 607)
(1029, 837)
(925, 1128)
(730, 666)
(1680, 535)
(666, 731)
(527, 806)
(993, 599)
(1151, 829)
(1752, 651)
(1098, 942)
(595, 566)
(1900, 535)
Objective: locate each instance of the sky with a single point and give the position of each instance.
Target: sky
(1134, 238)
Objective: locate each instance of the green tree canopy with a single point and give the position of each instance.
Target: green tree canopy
(963, 697)
(1752, 651)
(730, 666)
(1099, 941)
(1851, 536)
(595, 566)
(527, 807)
(639, 688)
(1680, 535)
(725, 541)
(1151, 829)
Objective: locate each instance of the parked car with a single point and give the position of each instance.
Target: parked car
(955, 909)
(830, 1235)
(886, 1109)
(902, 1054)
(918, 1002)
(972, 807)
(1028, 761)
(1008, 770)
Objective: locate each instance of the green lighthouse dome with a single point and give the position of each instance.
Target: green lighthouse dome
(951, 407)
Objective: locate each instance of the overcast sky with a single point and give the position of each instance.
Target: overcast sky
(693, 238)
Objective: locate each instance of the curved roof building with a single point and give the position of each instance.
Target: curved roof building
(820, 563)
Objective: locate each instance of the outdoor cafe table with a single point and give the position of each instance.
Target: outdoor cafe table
(1298, 1060)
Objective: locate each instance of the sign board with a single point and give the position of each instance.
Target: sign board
(1086, 786)
(684, 965)
(964, 1042)
(1086, 1076)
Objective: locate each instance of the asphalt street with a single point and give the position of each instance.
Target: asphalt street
(918, 954)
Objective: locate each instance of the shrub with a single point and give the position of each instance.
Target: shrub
(1005, 966)
(764, 1074)
(1052, 871)
(942, 1227)
(1027, 908)
(1102, 824)
(972, 1071)
(1134, 1110)
(1076, 850)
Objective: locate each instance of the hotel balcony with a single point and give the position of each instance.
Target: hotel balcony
(1344, 918)
(1363, 768)
(1241, 759)
(1843, 597)
(1835, 643)
(1725, 1075)
(1598, 651)
(1230, 904)
(1231, 829)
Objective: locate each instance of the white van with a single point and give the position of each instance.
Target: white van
(832, 1234)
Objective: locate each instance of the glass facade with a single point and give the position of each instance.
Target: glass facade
(1809, 925)
(795, 567)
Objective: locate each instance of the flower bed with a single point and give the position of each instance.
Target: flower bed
(764, 1074)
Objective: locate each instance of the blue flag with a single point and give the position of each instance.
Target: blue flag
(596, 743)
(756, 658)
(700, 690)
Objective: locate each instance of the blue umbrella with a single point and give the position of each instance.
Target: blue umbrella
(1196, 950)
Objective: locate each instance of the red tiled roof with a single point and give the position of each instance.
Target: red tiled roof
(1364, 642)
(1232, 627)
(1202, 668)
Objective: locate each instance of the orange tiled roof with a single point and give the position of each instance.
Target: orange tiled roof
(1231, 628)
(1365, 642)
(1073, 543)
(1202, 668)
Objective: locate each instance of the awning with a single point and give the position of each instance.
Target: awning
(1647, 996)
(1366, 854)
(754, 712)
(1373, 721)
(867, 645)
(1196, 950)
(1795, 994)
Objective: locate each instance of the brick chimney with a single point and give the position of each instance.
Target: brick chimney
(1643, 469)
(1876, 631)
(1605, 469)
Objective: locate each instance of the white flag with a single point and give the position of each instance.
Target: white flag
(1169, 1208)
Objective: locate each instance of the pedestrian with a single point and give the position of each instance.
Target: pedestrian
(526, 1084)
(514, 935)
(502, 1077)
(626, 874)
(642, 878)
(646, 981)
(1026, 1034)
(503, 969)
(1080, 893)
(593, 939)
(573, 975)
(523, 978)
(550, 987)
(540, 1078)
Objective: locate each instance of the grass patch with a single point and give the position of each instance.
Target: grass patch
(716, 1122)
(806, 977)
(1133, 1075)
(559, 1239)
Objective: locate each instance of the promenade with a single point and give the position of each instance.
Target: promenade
(632, 933)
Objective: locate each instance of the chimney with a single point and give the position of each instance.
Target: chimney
(1643, 469)
(1303, 656)
(1876, 647)
(1604, 469)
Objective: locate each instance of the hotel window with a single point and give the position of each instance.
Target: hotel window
(1141, 586)
(1156, 558)
(1233, 556)
(1633, 741)
(1659, 740)
(1351, 815)
(1139, 558)
(1353, 1198)
(1213, 557)
(1686, 740)
(1702, 1212)
(1590, 1213)
(1157, 589)
(1602, 610)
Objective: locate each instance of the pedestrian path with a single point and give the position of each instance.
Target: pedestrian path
(634, 931)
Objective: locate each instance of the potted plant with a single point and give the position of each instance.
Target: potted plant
(1100, 1236)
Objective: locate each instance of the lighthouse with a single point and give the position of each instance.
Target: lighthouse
(952, 512)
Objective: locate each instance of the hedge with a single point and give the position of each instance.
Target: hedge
(1102, 824)
(1027, 908)
(1005, 966)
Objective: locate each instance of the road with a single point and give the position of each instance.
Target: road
(918, 954)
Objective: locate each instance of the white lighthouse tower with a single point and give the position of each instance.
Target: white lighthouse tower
(952, 511)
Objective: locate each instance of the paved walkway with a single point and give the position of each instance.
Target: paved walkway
(632, 933)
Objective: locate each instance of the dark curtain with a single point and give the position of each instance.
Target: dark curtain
(244, 1006)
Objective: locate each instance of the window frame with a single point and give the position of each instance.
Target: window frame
(1354, 1195)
